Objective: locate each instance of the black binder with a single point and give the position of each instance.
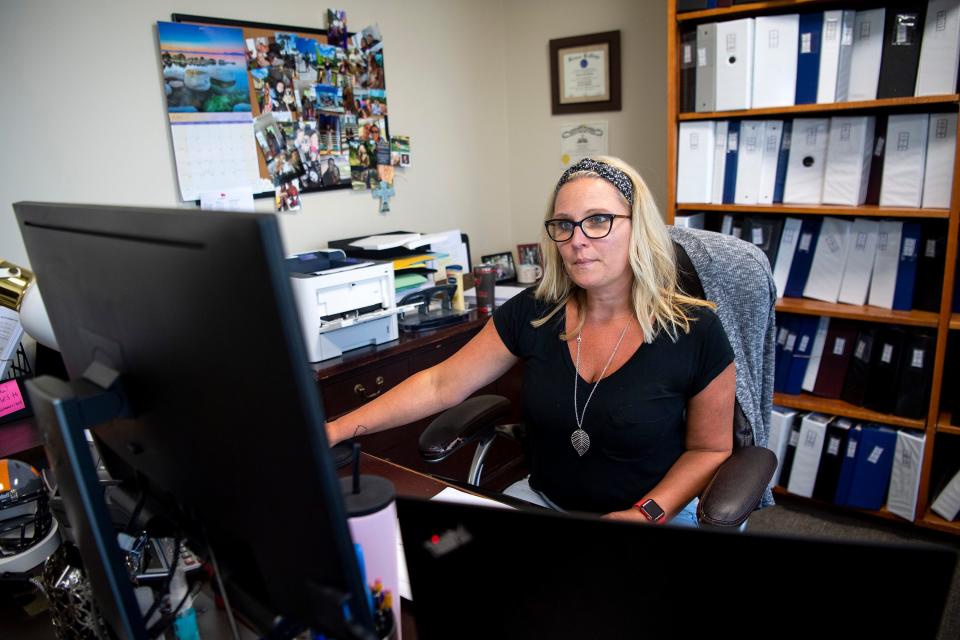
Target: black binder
(688, 71)
(916, 371)
(884, 372)
(834, 447)
(691, 5)
(855, 384)
(930, 267)
(902, 34)
(876, 163)
(791, 451)
(764, 233)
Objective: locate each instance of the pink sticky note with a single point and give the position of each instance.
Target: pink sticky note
(11, 400)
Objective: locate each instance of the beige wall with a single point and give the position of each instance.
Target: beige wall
(83, 119)
(636, 132)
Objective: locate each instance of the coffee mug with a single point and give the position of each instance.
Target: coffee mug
(529, 273)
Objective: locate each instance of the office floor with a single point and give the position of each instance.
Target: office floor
(787, 517)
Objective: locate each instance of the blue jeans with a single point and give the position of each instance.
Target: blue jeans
(523, 491)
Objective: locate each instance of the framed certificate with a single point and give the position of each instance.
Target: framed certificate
(585, 73)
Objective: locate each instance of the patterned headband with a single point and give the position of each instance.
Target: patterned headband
(611, 174)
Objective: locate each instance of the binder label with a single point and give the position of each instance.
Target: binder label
(909, 247)
(804, 341)
(887, 355)
(731, 43)
(865, 30)
(847, 38)
(833, 446)
(805, 42)
(861, 244)
(905, 33)
(811, 440)
(701, 56)
(941, 131)
(838, 346)
(830, 30)
(794, 438)
(931, 249)
(845, 132)
(941, 20)
(791, 341)
(882, 238)
(788, 236)
(917, 360)
(903, 141)
(694, 141)
(688, 54)
(878, 149)
(805, 240)
(773, 39)
(852, 449)
(861, 352)
(757, 234)
(906, 459)
(875, 454)
(832, 244)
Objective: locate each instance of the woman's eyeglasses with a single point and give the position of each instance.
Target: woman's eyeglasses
(595, 227)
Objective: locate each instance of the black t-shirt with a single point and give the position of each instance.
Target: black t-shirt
(635, 420)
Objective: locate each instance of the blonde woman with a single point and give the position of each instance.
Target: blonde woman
(628, 389)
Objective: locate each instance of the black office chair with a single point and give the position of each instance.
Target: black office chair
(738, 485)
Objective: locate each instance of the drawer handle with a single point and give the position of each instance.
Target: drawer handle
(361, 391)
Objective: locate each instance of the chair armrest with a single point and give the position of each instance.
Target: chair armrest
(736, 487)
(474, 419)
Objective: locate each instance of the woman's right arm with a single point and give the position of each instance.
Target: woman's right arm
(481, 361)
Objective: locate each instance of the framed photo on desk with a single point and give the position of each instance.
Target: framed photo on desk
(585, 73)
(506, 269)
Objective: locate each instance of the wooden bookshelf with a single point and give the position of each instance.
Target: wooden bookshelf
(942, 320)
(886, 104)
(945, 424)
(808, 402)
(751, 8)
(865, 313)
(931, 520)
(882, 513)
(865, 211)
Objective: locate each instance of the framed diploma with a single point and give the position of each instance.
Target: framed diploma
(585, 73)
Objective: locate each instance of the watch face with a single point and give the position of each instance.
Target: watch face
(652, 510)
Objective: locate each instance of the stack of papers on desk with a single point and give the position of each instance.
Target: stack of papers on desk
(394, 240)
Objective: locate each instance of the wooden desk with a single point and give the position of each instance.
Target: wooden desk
(363, 374)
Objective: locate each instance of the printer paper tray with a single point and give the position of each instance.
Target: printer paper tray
(333, 325)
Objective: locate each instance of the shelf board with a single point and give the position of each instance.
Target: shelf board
(945, 424)
(800, 109)
(955, 318)
(864, 211)
(752, 7)
(882, 513)
(866, 313)
(931, 520)
(808, 402)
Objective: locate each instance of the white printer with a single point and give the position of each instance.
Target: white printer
(343, 303)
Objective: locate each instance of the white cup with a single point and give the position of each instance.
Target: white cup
(529, 273)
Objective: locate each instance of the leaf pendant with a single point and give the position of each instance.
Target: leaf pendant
(580, 441)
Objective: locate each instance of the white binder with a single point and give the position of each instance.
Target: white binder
(883, 280)
(938, 172)
(749, 161)
(903, 160)
(816, 353)
(695, 161)
(734, 62)
(829, 259)
(806, 460)
(905, 475)
(772, 134)
(788, 247)
(860, 259)
(940, 49)
(781, 422)
(867, 52)
(719, 160)
(849, 154)
(835, 49)
(805, 165)
(947, 503)
(775, 60)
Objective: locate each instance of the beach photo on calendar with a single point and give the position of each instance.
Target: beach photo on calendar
(204, 69)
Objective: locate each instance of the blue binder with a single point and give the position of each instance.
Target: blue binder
(806, 329)
(907, 266)
(871, 479)
(808, 58)
(803, 257)
(849, 466)
(782, 158)
(784, 356)
(730, 168)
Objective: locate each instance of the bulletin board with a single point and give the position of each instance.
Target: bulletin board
(288, 110)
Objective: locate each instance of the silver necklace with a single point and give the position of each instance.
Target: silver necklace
(579, 438)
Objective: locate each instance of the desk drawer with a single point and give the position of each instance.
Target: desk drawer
(346, 394)
(437, 353)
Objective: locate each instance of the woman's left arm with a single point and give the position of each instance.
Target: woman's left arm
(709, 442)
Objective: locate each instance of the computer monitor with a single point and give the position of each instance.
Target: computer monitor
(226, 428)
(492, 573)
